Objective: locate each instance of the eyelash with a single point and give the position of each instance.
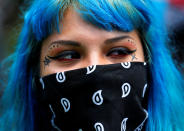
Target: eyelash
(73, 55)
(123, 51)
(63, 56)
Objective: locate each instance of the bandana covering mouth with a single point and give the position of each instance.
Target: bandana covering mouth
(95, 98)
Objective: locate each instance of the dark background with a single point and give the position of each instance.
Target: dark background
(10, 24)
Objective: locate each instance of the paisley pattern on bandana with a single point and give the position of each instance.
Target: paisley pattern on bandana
(96, 98)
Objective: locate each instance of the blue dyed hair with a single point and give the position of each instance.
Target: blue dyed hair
(165, 104)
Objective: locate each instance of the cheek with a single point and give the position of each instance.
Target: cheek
(42, 67)
(47, 69)
(53, 67)
(44, 62)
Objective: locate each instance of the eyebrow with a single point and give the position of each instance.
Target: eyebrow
(116, 39)
(77, 44)
(66, 42)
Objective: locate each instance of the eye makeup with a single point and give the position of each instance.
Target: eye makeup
(134, 57)
(120, 52)
(66, 56)
(46, 61)
(60, 52)
(62, 43)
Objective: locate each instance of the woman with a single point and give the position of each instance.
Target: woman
(63, 36)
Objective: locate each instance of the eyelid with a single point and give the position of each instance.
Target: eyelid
(123, 49)
(124, 44)
(58, 49)
(63, 54)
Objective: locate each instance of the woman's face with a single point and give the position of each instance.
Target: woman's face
(80, 44)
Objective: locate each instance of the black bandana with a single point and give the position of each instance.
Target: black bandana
(96, 98)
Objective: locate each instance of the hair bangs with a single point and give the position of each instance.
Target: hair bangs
(44, 17)
(109, 15)
(114, 14)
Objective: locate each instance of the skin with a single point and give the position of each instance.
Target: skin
(93, 46)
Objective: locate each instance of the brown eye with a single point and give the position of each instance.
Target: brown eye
(120, 52)
(66, 56)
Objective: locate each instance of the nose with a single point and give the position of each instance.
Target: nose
(95, 58)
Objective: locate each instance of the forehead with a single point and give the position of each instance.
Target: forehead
(73, 27)
(73, 23)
